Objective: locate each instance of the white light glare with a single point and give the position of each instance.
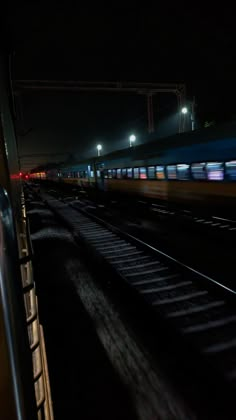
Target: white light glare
(184, 110)
(99, 147)
(132, 137)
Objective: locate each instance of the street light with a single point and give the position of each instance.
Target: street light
(99, 148)
(132, 139)
(184, 110)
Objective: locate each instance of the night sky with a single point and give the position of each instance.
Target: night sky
(177, 42)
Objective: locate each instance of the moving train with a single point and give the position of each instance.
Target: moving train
(195, 170)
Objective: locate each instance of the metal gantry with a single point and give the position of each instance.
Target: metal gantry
(146, 89)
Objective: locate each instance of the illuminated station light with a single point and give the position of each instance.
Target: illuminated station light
(99, 148)
(184, 110)
(132, 139)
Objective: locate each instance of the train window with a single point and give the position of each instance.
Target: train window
(160, 172)
(113, 173)
(109, 174)
(230, 170)
(119, 173)
(98, 173)
(171, 172)
(136, 173)
(183, 172)
(151, 172)
(215, 171)
(199, 170)
(91, 174)
(123, 171)
(143, 173)
(130, 173)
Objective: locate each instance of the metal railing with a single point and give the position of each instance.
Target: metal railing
(19, 372)
(35, 330)
(24, 360)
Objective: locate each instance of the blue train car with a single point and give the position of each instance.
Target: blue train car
(195, 169)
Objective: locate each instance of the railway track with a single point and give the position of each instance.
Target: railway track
(211, 224)
(195, 306)
(206, 248)
(214, 223)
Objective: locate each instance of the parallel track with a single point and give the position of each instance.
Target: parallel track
(198, 308)
(210, 223)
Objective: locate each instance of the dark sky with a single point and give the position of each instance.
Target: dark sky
(178, 42)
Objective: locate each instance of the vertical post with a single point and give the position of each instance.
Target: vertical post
(99, 148)
(150, 113)
(182, 117)
(8, 139)
(4, 174)
(193, 114)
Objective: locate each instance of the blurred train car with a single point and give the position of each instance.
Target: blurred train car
(195, 170)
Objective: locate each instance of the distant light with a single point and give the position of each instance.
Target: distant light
(20, 174)
(132, 139)
(27, 176)
(184, 110)
(99, 148)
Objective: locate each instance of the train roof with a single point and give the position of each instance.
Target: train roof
(156, 147)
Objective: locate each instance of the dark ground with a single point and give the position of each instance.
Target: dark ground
(97, 370)
(83, 382)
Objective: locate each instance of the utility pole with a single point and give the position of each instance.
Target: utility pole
(150, 113)
(193, 104)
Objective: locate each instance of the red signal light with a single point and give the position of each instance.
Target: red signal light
(20, 173)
